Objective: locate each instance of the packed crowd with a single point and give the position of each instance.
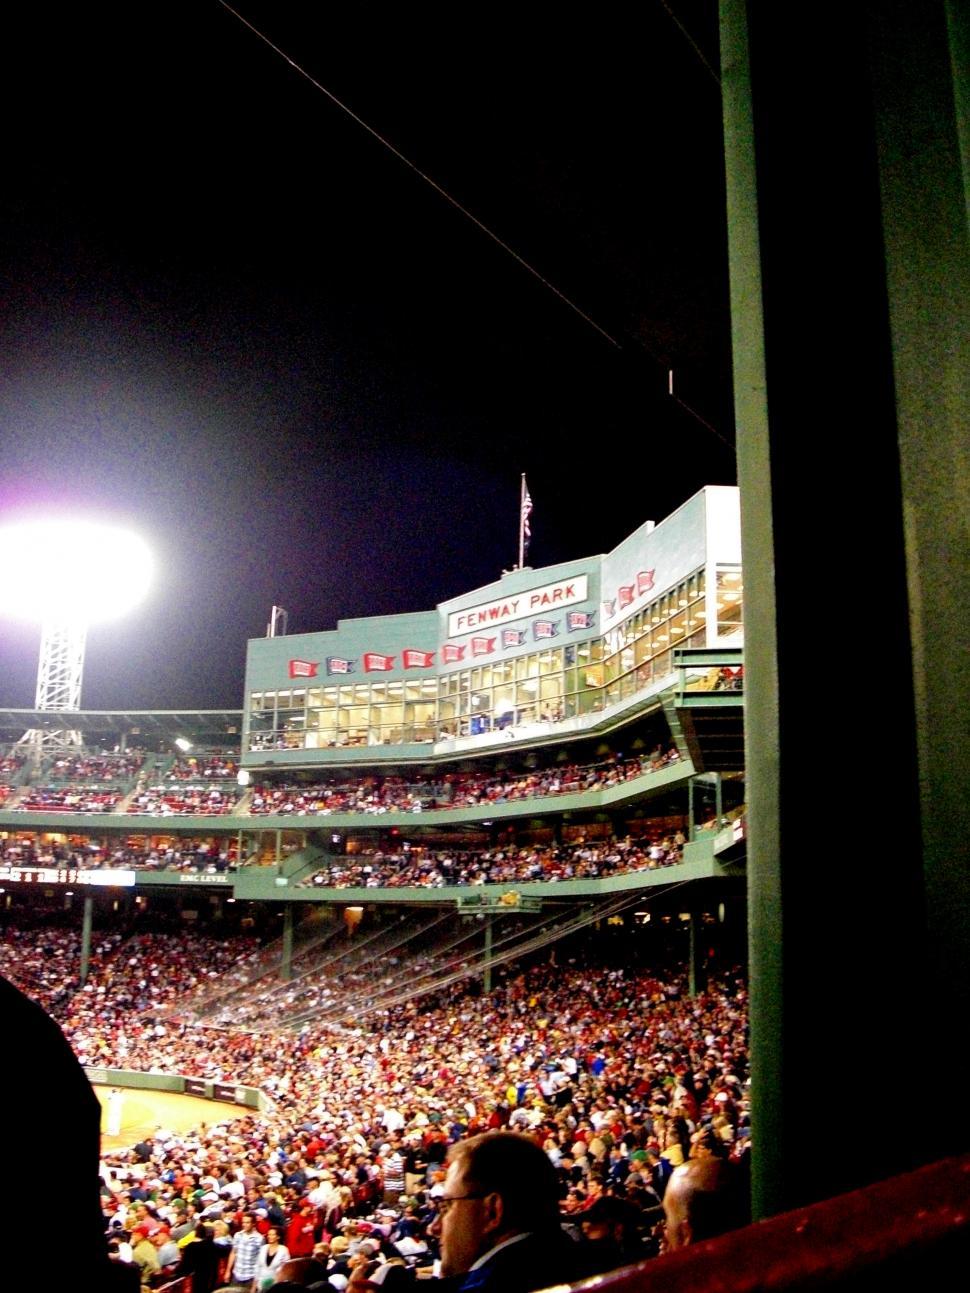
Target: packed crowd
(616, 1074)
(212, 767)
(382, 794)
(406, 867)
(210, 855)
(185, 801)
(547, 863)
(94, 767)
(68, 799)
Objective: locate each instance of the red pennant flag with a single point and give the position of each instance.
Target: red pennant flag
(373, 661)
(304, 668)
(414, 659)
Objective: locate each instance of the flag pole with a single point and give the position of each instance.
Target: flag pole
(522, 523)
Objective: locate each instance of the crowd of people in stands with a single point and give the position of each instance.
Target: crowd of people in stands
(95, 767)
(547, 863)
(407, 866)
(615, 1073)
(212, 767)
(173, 795)
(183, 801)
(68, 799)
(382, 794)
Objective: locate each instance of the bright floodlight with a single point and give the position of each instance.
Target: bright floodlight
(67, 573)
(71, 571)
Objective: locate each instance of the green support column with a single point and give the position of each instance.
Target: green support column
(849, 295)
(695, 966)
(488, 953)
(279, 847)
(86, 937)
(286, 960)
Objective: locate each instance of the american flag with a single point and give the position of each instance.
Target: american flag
(525, 529)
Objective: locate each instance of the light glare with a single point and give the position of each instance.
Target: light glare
(71, 571)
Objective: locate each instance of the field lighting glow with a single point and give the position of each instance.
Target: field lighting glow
(71, 570)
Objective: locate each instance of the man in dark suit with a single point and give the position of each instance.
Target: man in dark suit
(498, 1218)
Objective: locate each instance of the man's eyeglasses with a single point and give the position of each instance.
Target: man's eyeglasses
(445, 1202)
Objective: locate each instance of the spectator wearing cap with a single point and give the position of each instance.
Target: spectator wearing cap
(144, 1254)
(167, 1248)
(300, 1233)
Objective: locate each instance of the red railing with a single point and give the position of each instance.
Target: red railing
(904, 1233)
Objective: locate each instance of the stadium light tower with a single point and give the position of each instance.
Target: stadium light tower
(66, 574)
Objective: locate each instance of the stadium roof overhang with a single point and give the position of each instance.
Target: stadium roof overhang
(128, 722)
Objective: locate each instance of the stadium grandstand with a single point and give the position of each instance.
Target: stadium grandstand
(464, 845)
(674, 871)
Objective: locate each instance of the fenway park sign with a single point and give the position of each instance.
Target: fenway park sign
(535, 601)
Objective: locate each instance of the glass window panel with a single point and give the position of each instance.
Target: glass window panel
(592, 677)
(527, 692)
(353, 716)
(590, 701)
(662, 665)
(313, 697)
(384, 714)
(552, 687)
(256, 702)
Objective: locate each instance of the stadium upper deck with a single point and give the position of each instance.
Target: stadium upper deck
(590, 703)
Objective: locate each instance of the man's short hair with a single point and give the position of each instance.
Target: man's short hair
(514, 1167)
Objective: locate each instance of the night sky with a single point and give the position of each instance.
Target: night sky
(233, 320)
